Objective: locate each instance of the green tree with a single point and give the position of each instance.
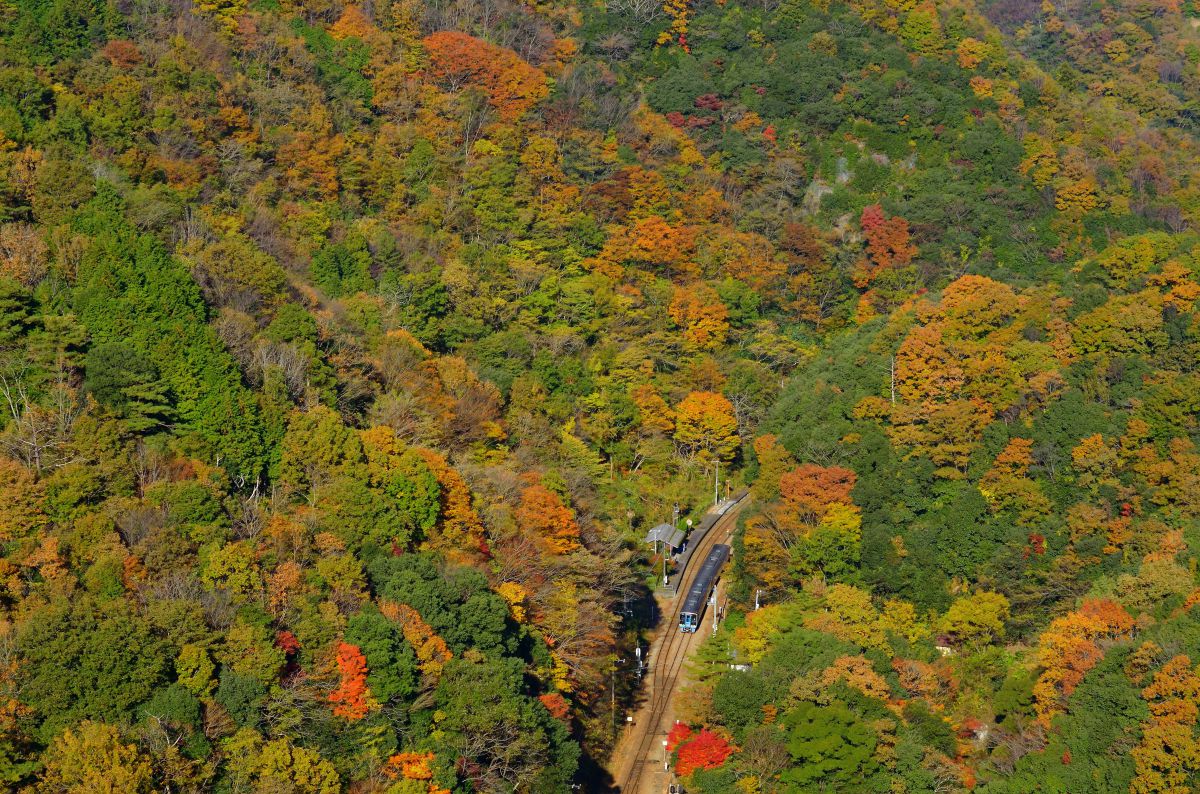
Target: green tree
(513, 740)
(129, 291)
(81, 661)
(456, 601)
(316, 444)
(392, 671)
(242, 696)
(830, 748)
(127, 382)
(343, 268)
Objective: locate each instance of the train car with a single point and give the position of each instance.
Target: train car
(702, 587)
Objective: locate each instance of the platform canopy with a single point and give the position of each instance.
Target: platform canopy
(665, 533)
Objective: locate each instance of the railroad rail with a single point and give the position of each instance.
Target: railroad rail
(696, 539)
(672, 650)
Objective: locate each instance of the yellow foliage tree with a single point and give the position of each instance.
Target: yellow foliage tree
(515, 595)
(970, 52)
(91, 758)
(698, 310)
(1041, 160)
(773, 462)
(850, 616)
(432, 651)
(978, 617)
(1077, 197)
(753, 638)
(1168, 755)
(705, 423)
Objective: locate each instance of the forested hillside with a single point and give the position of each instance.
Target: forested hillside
(347, 353)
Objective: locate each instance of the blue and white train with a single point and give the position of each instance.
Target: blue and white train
(702, 587)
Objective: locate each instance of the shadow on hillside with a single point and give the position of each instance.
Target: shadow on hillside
(640, 615)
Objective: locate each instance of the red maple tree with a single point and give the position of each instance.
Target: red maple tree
(888, 243)
(679, 733)
(556, 704)
(706, 751)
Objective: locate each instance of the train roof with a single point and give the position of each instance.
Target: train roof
(702, 584)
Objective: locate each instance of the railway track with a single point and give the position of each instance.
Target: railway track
(672, 653)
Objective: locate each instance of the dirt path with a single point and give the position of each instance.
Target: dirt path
(637, 764)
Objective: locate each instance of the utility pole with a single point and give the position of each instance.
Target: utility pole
(716, 480)
(656, 543)
(892, 368)
(674, 522)
(716, 588)
(756, 592)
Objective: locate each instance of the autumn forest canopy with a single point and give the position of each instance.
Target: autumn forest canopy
(349, 351)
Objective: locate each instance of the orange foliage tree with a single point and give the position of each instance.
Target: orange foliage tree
(459, 526)
(1007, 484)
(410, 766)
(750, 258)
(649, 243)
(858, 673)
(414, 766)
(698, 310)
(351, 699)
(556, 704)
(813, 489)
(653, 412)
(309, 163)
(1071, 646)
(543, 513)
(352, 22)
(459, 61)
(20, 501)
(967, 363)
(814, 527)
